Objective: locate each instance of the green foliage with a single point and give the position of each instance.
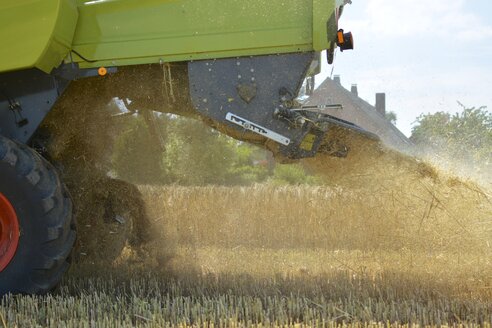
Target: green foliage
(465, 136)
(391, 116)
(250, 165)
(194, 154)
(292, 174)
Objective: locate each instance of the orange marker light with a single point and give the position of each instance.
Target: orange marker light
(102, 71)
(340, 37)
(345, 40)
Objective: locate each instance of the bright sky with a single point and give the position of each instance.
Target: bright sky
(425, 54)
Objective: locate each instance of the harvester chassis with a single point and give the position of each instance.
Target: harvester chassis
(240, 72)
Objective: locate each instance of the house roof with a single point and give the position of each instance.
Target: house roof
(358, 111)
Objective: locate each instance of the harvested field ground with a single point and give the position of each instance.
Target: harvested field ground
(288, 256)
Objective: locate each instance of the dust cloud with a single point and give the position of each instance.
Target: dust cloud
(377, 210)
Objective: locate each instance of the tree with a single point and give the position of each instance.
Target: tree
(193, 154)
(196, 154)
(391, 116)
(465, 136)
(137, 156)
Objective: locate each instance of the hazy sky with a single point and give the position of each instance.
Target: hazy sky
(425, 54)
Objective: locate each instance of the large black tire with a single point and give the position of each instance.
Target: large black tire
(44, 214)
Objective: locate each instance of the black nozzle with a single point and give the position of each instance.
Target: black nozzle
(345, 40)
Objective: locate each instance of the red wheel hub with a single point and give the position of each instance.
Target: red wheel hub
(9, 232)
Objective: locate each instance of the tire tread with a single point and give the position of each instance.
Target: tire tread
(58, 216)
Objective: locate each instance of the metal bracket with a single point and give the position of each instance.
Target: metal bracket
(16, 108)
(248, 125)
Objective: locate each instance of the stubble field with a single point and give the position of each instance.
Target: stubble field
(288, 256)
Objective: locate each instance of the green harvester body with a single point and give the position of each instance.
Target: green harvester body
(43, 33)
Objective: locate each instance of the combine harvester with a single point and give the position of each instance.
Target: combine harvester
(236, 65)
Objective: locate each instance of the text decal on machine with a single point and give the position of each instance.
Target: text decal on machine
(248, 125)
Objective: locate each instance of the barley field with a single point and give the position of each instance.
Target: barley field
(324, 256)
